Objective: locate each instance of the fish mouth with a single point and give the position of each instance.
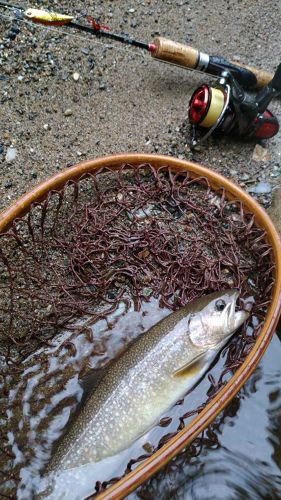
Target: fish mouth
(230, 311)
(234, 319)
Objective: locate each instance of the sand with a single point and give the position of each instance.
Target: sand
(67, 98)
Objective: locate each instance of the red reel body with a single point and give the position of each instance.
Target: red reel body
(227, 108)
(265, 125)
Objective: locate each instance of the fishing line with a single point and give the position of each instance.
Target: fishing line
(95, 42)
(10, 6)
(140, 53)
(161, 48)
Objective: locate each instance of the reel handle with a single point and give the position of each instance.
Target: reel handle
(189, 57)
(276, 81)
(271, 90)
(263, 77)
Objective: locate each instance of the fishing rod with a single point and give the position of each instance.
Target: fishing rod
(226, 107)
(161, 48)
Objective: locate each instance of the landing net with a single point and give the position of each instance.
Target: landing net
(110, 238)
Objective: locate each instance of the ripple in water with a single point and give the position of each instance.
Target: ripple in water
(46, 393)
(246, 464)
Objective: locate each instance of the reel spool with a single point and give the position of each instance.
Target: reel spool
(228, 108)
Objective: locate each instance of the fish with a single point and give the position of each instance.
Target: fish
(156, 370)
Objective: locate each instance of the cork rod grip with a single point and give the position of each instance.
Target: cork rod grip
(175, 53)
(187, 56)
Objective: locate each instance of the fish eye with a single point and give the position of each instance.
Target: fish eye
(220, 305)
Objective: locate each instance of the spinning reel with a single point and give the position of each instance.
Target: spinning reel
(227, 108)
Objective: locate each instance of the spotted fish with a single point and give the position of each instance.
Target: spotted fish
(154, 372)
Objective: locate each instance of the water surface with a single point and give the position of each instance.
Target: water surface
(246, 463)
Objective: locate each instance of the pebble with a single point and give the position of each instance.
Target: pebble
(91, 63)
(260, 188)
(261, 154)
(46, 126)
(11, 36)
(244, 177)
(68, 112)
(11, 155)
(148, 448)
(275, 174)
(76, 76)
(63, 77)
(8, 184)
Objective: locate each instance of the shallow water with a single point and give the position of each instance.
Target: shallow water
(196, 478)
(49, 389)
(246, 464)
(86, 476)
(77, 483)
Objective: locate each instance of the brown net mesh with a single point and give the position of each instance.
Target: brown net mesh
(111, 239)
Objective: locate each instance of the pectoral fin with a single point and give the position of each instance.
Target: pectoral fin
(192, 367)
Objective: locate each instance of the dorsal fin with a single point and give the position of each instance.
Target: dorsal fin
(192, 367)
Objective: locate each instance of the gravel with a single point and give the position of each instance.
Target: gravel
(11, 155)
(260, 188)
(120, 99)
